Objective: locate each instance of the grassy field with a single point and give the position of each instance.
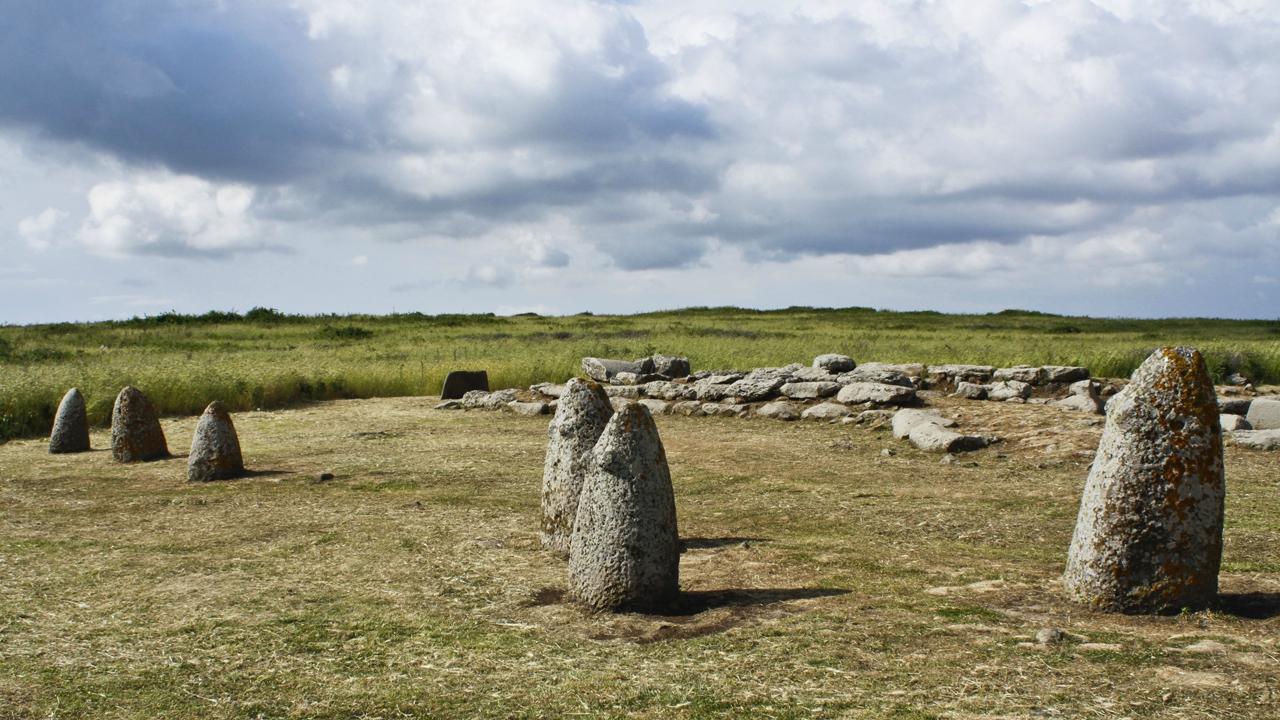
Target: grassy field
(822, 579)
(263, 359)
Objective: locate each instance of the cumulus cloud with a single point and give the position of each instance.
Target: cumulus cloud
(173, 215)
(40, 231)
(954, 138)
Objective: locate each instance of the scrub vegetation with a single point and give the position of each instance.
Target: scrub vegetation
(266, 359)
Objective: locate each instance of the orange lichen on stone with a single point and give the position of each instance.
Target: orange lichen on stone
(1149, 532)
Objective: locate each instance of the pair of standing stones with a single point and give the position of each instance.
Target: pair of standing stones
(608, 503)
(136, 435)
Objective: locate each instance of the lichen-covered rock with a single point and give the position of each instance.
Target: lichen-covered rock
(809, 390)
(778, 410)
(1234, 423)
(625, 549)
(1007, 390)
(725, 409)
(1021, 373)
(1083, 398)
(911, 370)
(528, 409)
(481, 400)
(970, 391)
(834, 363)
(877, 393)
(551, 390)
(933, 437)
(215, 448)
(629, 392)
(1148, 537)
(952, 374)
(1264, 413)
(136, 435)
(1062, 374)
(603, 370)
(875, 374)
(906, 420)
(826, 411)
(581, 415)
(656, 407)
(688, 408)
(71, 425)
(752, 389)
(1257, 439)
(671, 366)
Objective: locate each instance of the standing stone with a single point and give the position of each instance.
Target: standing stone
(135, 429)
(581, 415)
(1149, 534)
(71, 425)
(461, 382)
(625, 549)
(215, 448)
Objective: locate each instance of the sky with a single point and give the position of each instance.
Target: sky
(1103, 157)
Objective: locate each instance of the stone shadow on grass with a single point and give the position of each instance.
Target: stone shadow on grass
(1251, 606)
(706, 543)
(694, 602)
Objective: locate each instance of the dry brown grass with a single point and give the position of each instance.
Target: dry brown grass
(823, 579)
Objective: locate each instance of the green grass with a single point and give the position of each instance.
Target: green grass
(264, 359)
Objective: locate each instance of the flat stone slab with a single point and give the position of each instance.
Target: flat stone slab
(932, 437)
(1257, 439)
(779, 410)
(528, 409)
(906, 420)
(809, 390)
(826, 411)
(877, 393)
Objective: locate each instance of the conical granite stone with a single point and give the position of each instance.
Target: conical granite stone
(215, 448)
(135, 429)
(625, 551)
(581, 415)
(1148, 537)
(71, 425)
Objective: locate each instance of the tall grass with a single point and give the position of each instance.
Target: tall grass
(265, 359)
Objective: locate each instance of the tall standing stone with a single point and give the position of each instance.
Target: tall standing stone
(1149, 534)
(135, 428)
(625, 551)
(71, 425)
(581, 415)
(215, 448)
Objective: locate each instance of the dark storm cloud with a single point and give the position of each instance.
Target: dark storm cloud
(183, 85)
